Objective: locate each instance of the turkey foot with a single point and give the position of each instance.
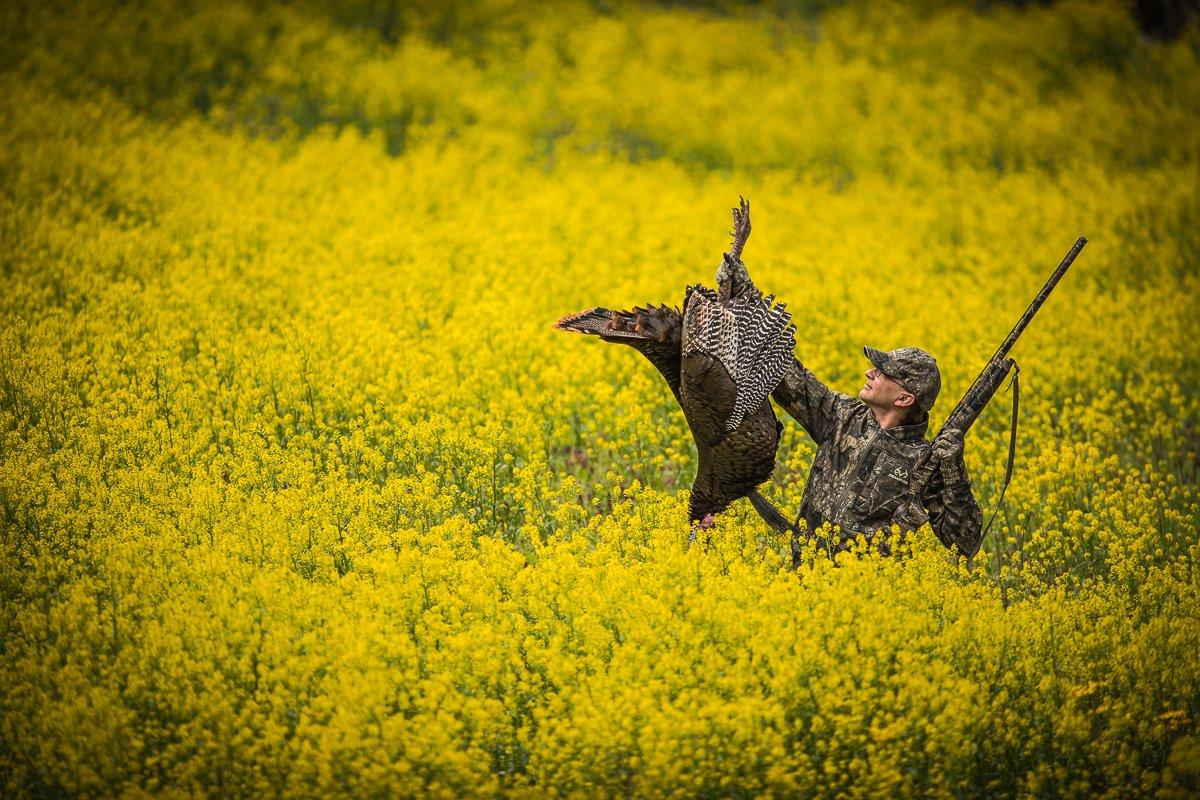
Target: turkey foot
(741, 227)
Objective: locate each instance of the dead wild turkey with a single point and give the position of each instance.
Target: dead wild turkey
(722, 356)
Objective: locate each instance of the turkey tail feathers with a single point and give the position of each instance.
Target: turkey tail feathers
(651, 324)
(653, 331)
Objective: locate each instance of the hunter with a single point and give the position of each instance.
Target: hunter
(869, 447)
(867, 452)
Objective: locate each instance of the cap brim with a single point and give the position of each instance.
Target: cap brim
(878, 358)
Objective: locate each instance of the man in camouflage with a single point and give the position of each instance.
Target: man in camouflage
(868, 450)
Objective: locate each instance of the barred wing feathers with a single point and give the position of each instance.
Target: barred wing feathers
(750, 336)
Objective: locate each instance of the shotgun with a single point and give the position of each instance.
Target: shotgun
(990, 378)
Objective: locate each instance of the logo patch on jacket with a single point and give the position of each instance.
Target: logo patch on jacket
(900, 473)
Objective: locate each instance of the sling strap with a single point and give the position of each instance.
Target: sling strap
(1015, 384)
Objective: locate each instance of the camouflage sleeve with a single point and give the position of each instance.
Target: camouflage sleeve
(812, 403)
(953, 513)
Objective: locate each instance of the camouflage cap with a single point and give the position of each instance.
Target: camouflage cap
(912, 367)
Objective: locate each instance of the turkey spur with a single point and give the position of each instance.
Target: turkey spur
(722, 356)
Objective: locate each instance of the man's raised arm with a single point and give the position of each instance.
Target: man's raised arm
(810, 402)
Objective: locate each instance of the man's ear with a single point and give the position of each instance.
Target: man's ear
(905, 400)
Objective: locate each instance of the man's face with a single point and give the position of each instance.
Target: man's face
(884, 392)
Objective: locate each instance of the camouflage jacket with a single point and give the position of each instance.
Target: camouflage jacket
(860, 478)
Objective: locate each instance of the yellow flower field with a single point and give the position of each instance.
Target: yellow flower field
(302, 496)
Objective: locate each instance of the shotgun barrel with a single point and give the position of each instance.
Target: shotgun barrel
(998, 366)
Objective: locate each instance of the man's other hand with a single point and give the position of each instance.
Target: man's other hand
(948, 454)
